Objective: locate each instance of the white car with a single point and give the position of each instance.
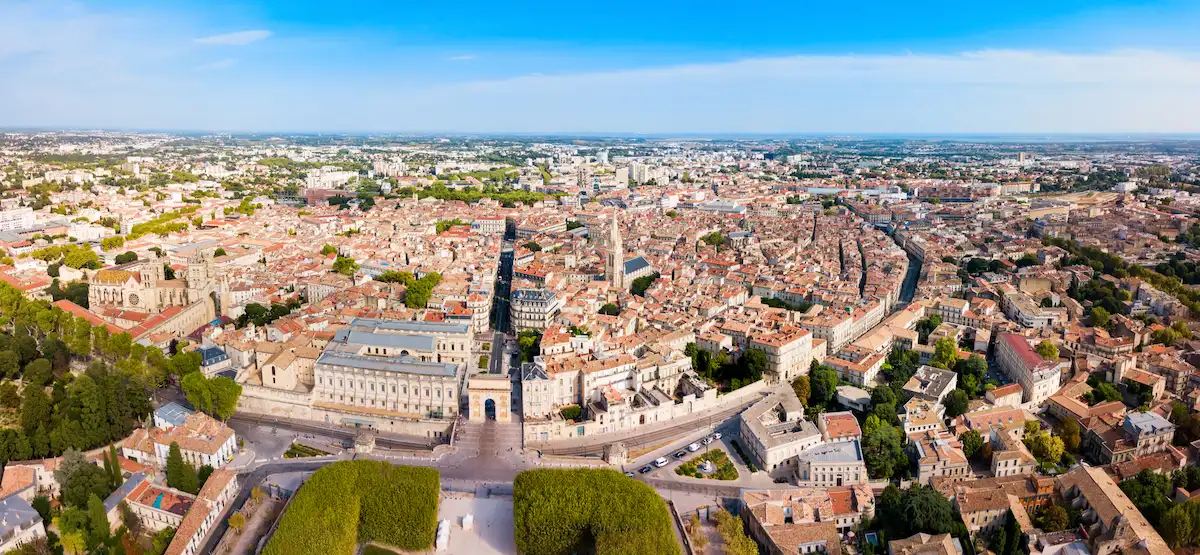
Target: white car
(693, 447)
(716, 435)
(660, 462)
(707, 440)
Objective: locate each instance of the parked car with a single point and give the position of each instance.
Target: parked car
(693, 447)
(647, 469)
(680, 454)
(630, 474)
(716, 435)
(660, 462)
(707, 440)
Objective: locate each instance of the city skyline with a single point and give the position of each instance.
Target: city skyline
(1112, 68)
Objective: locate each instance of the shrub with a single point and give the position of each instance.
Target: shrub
(748, 462)
(557, 510)
(349, 502)
(725, 469)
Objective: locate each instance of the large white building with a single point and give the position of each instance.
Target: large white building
(377, 372)
(17, 219)
(1021, 363)
(533, 309)
(203, 441)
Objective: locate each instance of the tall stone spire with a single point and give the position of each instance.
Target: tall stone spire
(615, 263)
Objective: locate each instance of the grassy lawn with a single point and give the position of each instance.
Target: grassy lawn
(297, 451)
(719, 458)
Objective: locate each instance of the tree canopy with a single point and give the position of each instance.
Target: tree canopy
(560, 511)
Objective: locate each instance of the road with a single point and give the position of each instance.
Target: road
(383, 439)
(496, 364)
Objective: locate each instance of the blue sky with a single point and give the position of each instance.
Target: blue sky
(1018, 66)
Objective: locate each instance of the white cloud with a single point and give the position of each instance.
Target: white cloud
(462, 58)
(219, 64)
(240, 38)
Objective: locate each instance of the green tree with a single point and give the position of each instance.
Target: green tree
(1046, 448)
(345, 266)
(117, 478)
(127, 257)
(1047, 350)
(1070, 435)
(945, 354)
(956, 403)
(225, 395)
(36, 409)
(195, 387)
(219, 252)
(1053, 519)
(237, 521)
(642, 284)
(972, 442)
(1177, 525)
(883, 450)
(755, 363)
(10, 365)
(180, 474)
(328, 250)
(1099, 317)
(79, 479)
(9, 397)
(610, 309)
(823, 381)
(802, 388)
(98, 520)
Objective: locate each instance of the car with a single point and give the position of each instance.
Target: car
(646, 469)
(693, 447)
(680, 454)
(707, 440)
(630, 474)
(660, 462)
(716, 435)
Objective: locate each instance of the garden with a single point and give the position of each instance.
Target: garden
(720, 459)
(352, 502)
(297, 450)
(563, 511)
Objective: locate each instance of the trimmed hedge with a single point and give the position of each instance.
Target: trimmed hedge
(557, 510)
(350, 502)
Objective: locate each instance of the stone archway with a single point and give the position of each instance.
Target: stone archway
(488, 398)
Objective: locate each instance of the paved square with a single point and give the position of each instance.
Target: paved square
(492, 533)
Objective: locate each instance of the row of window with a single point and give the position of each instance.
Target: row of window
(381, 404)
(437, 393)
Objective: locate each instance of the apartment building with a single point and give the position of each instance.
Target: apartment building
(216, 493)
(1018, 360)
(938, 453)
(533, 309)
(1140, 435)
(805, 520)
(202, 439)
(788, 350)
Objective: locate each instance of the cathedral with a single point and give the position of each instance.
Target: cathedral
(142, 286)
